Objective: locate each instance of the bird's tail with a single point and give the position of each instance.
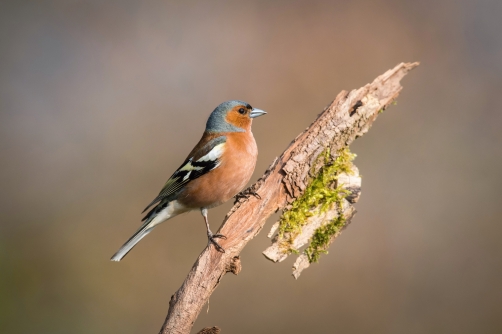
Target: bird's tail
(160, 213)
(146, 228)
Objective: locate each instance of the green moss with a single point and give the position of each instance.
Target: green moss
(318, 197)
(321, 238)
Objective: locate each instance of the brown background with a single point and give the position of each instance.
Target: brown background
(101, 100)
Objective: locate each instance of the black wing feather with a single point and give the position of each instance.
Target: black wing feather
(188, 171)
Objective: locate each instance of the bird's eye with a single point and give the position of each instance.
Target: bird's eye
(242, 111)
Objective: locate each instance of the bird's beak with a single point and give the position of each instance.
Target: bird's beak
(256, 112)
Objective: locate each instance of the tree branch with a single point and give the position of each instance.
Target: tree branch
(349, 116)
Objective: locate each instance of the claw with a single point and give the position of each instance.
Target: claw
(255, 194)
(216, 245)
(246, 194)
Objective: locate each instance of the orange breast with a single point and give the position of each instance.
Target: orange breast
(221, 184)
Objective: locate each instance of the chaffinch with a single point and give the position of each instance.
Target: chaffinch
(218, 168)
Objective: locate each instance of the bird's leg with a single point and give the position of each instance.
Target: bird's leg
(246, 193)
(210, 235)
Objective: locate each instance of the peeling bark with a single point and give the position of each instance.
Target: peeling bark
(351, 183)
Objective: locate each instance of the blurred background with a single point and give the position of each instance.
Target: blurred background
(101, 101)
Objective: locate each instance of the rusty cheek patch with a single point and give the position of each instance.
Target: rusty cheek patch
(235, 118)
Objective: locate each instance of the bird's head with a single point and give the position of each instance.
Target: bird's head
(232, 116)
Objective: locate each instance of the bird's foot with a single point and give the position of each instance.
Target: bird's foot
(246, 194)
(211, 240)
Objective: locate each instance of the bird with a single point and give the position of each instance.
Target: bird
(217, 169)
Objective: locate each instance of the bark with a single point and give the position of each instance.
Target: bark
(349, 182)
(349, 116)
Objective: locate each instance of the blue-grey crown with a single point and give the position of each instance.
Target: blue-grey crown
(217, 120)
